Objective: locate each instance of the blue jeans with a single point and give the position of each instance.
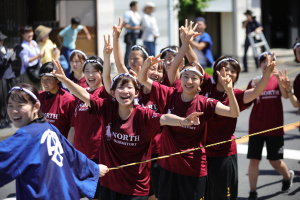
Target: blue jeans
(246, 46)
(67, 52)
(151, 47)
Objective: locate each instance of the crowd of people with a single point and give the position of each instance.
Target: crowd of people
(75, 123)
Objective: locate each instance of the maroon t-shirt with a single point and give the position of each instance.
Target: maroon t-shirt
(82, 82)
(181, 138)
(215, 127)
(267, 111)
(297, 86)
(58, 109)
(166, 80)
(144, 101)
(87, 127)
(123, 142)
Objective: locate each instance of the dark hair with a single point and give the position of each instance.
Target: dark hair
(25, 29)
(75, 21)
(193, 64)
(138, 49)
(297, 41)
(124, 80)
(47, 68)
(161, 65)
(96, 66)
(236, 67)
(22, 97)
(133, 3)
(79, 55)
(173, 47)
(263, 58)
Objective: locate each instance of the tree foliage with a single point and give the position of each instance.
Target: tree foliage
(188, 8)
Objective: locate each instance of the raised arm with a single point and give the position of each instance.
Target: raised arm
(121, 67)
(252, 93)
(285, 82)
(187, 34)
(106, 66)
(233, 109)
(86, 31)
(174, 120)
(75, 89)
(142, 76)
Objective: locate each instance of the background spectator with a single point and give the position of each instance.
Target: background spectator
(150, 28)
(67, 38)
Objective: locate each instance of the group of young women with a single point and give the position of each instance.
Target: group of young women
(157, 108)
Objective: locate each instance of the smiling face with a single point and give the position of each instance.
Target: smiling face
(92, 76)
(28, 35)
(125, 93)
(190, 82)
(155, 73)
(168, 60)
(231, 72)
(76, 64)
(136, 60)
(50, 84)
(22, 113)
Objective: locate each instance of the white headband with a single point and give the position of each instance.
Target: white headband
(192, 70)
(264, 53)
(46, 74)
(141, 48)
(296, 45)
(226, 59)
(168, 49)
(92, 61)
(78, 51)
(119, 75)
(24, 90)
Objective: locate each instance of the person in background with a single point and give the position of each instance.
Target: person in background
(67, 38)
(7, 79)
(149, 27)
(202, 46)
(30, 56)
(250, 25)
(132, 25)
(45, 44)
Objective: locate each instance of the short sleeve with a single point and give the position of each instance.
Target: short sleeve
(79, 28)
(98, 106)
(160, 94)
(152, 120)
(296, 86)
(209, 108)
(239, 95)
(63, 32)
(127, 17)
(205, 38)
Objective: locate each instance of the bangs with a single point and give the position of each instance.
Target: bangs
(19, 96)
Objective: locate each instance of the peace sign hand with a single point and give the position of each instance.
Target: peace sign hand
(226, 81)
(271, 64)
(118, 28)
(152, 61)
(107, 48)
(187, 33)
(59, 72)
(284, 80)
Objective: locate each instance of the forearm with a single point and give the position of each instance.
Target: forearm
(233, 105)
(192, 57)
(143, 78)
(33, 58)
(86, 31)
(119, 60)
(293, 99)
(106, 73)
(282, 90)
(199, 46)
(171, 120)
(71, 135)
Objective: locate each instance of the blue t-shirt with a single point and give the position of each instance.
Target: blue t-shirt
(45, 165)
(69, 36)
(207, 51)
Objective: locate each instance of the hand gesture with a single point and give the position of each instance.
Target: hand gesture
(187, 33)
(284, 80)
(107, 48)
(192, 119)
(152, 61)
(271, 64)
(103, 169)
(118, 28)
(41, 54)
(59, 72)
(225, 80)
